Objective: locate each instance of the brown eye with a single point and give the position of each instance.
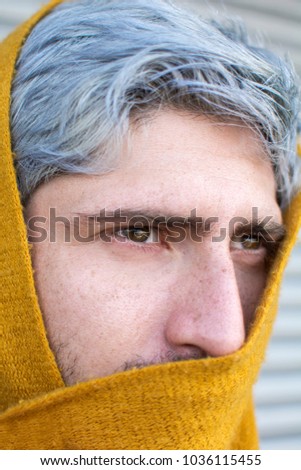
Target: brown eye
(247, 243)
(251, 243)
(136, 235)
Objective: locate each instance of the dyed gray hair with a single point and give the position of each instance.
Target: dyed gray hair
(89, 67)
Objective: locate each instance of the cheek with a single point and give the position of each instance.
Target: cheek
(251, 286)
(98, 313)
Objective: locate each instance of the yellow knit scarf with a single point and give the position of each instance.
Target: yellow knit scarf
(204, 404)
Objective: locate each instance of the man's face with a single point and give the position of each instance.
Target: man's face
(141, 298)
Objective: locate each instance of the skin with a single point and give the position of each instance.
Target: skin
(112, 306)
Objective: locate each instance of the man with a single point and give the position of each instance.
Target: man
(155, 155)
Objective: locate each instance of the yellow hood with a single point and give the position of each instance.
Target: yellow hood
(205, 404)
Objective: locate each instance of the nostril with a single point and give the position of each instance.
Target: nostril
(185, 353)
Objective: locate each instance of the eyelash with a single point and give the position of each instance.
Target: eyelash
(244, 239)
(139, 245)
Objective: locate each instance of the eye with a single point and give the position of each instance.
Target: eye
(247, 242)
(138, 235)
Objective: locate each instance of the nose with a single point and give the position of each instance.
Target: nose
(207, 317)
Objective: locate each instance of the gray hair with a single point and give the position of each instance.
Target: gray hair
(89, 67)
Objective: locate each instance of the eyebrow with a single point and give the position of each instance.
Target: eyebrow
(270, 232)
(154, 218)
(102, 214)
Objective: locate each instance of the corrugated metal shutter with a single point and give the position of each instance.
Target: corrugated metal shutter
(278, 392)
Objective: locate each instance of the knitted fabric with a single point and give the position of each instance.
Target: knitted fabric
(201, 404)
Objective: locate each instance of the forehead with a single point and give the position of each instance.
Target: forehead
(171, 136)
(177, 162)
